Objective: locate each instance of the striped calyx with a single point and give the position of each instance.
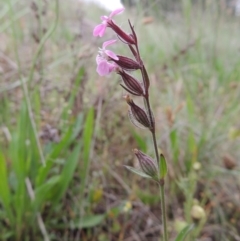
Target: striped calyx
(147, 164)
(132, 85)
(137, 113)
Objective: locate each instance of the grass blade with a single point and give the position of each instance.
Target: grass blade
(182, 235)
(5, 195)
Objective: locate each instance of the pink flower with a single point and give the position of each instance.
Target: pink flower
(104, 67)
(99, 30)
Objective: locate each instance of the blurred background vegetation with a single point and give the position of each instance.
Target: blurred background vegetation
(65, 135)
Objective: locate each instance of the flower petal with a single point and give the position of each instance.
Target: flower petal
(111, 54)
(109, 42)
(115, 12)
(112, 67)
(99, 30)
(104, 18)
(103, 68)
(99, 59)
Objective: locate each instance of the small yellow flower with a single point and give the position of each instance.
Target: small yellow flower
(127, 207)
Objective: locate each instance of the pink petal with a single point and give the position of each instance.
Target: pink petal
(103, 68)
(111, 54)
(115, 12)
(99, 30)
(109, 42)
(112, 67)
(99, 59)
(104, 18)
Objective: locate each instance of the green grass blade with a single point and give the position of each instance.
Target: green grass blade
(68, 172)
(5, 195)
(45, 192)
(182, 235)
(87, 140)
(63, 144)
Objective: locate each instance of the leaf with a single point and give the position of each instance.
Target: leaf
(61, 146)
(69, 136)
(182, 235)
(138, 172)
(89, 221)
(87, 140)
(174, 144)
(4, 187)
(67, 173)
(44, 192)
(163, 166)
(5, 195)
(87, 134)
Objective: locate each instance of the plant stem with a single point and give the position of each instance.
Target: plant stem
(153, 131)
(163, 209)
(161, 182)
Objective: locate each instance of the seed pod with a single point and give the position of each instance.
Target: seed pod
(133, 86)
(148, 165)
(126, 63)
(137, 114)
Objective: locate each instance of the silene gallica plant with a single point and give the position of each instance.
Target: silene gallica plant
(109, 62)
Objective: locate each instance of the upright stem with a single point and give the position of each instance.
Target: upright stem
(163, 209)
(152, 121)
(161, 182)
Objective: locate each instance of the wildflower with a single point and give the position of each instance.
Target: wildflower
(100, 29)
(104, 67)
(148, 165)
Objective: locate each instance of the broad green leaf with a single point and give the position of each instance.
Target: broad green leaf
(163, 166)
(138, 172)
(182, 235)
(89, 221)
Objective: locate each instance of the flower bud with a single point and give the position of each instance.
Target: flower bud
(133, 85)
(137, 114)
(147, 164)
(126, 63)
(125, 37)
(197, 213)
(197, 166)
